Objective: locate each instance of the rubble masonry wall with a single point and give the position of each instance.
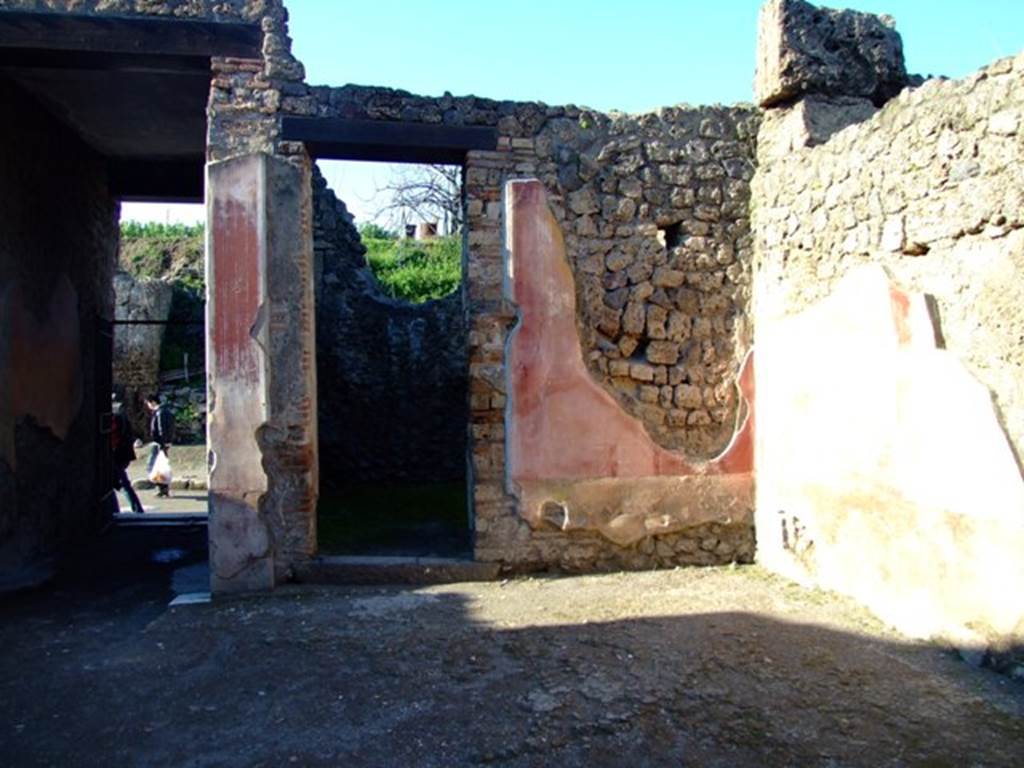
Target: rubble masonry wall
(619, 186)
(931, 188)
(889, 281)
(391, 375)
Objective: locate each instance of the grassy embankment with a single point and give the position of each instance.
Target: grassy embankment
(410, 270)
(173, 253)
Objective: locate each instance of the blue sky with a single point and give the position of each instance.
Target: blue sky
(602, 54)
(607, 55)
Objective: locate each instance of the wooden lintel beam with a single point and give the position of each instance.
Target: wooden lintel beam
(169, 181)
(340, 139)
(125, 35)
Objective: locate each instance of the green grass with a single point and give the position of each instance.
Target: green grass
(366, 519)
(416, 270)
(133, 230)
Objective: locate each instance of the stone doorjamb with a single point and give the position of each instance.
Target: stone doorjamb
(261, 428)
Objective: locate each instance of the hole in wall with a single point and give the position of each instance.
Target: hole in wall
(671, 235)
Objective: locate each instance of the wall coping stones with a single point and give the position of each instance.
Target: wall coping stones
(803, 49)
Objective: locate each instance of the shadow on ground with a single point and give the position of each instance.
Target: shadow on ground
(713, 667)
(395, 520)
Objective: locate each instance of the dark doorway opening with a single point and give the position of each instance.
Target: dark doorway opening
(391, 362)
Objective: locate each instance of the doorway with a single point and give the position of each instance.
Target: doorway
(391, 360)
(159, 342)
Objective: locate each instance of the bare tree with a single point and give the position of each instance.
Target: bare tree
(423, 193)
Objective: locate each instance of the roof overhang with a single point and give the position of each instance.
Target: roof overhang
(135, 89)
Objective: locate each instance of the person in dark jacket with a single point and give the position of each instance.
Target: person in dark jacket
(161, 432)
(122, 446)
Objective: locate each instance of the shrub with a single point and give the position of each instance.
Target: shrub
(416, 270)
(372, 231)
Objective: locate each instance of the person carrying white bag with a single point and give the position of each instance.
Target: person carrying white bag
(161, 431)
(160, 473)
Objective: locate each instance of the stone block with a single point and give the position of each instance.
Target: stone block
(618, 367)
(649, 394)
(688, 396)
(810, 122)
(628, 345)
(1004, 123)
(678, 326)
(893, 234)
(584, 201)
(656, 318)
(803, 49)
(641, 372)
(663, 353)
(617, 260)
(634, 318)
(609, 321)
(664, 277)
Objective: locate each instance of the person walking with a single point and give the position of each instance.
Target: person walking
(122, 446)
(161, 432)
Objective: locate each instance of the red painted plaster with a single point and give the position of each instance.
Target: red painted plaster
(237, 310)
(236, 289)
(901, 314)
(43, 364)
(561, 423)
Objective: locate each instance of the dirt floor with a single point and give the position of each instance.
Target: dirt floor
(711, 667)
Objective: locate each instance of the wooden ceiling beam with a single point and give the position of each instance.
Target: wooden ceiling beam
(340, 139)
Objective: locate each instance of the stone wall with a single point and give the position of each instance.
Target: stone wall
(187, 401)
(263, 522)
(136, 356)
(392, 391)
(650, 216)
(890, 257)
(691, 184)
(214, 10)
(57, 258)
(654, 212)
(931, 188)
(248, 96)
